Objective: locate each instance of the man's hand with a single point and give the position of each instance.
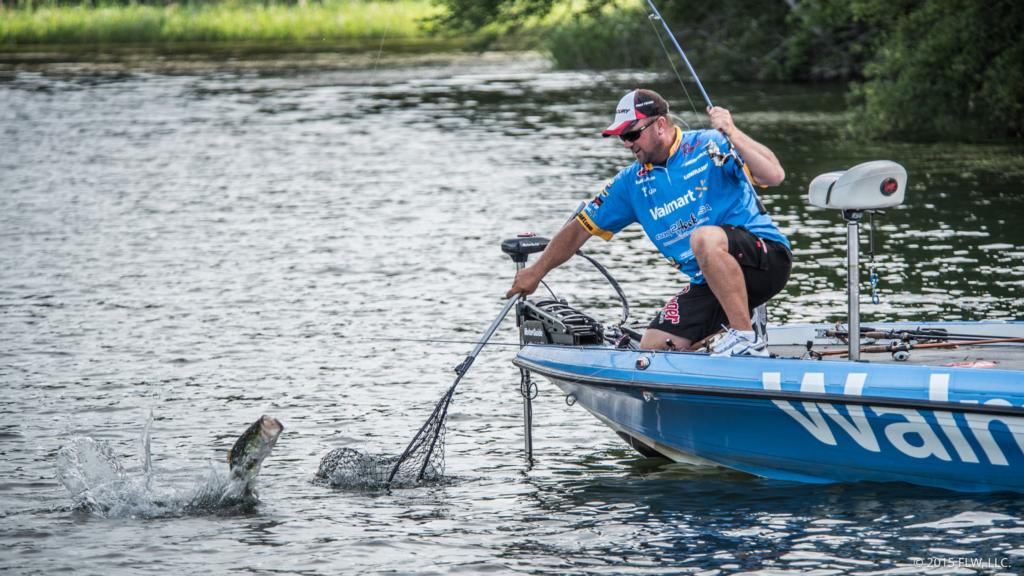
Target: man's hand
(569, 239)
(760, 160)
(721, 120)
(525, 283)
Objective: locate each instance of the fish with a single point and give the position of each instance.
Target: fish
(247, 454)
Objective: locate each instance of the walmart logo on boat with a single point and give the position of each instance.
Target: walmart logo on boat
(907, 429)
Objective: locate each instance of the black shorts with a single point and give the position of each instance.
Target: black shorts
(695, 313)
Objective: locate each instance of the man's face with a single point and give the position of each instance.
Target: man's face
(642, 140)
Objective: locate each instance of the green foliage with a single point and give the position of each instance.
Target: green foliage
(921, 68)
(327, 21)
(731, 39)
(826, 41)
(949, 69)
(595, 40)
(470, 15)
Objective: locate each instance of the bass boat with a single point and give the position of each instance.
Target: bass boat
(938, 404)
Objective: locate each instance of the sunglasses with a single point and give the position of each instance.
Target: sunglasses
(633, 135)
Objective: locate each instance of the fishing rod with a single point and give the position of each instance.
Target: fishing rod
(707, 99)
(657, 16)
(906, 347)
(910, 334)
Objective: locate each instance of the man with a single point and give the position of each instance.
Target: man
(689, 192)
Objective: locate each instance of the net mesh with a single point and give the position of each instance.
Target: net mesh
(423, 459)
(422, 462)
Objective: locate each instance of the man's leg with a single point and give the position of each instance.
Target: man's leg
(687, 317)
(723, 274)
(655, 339)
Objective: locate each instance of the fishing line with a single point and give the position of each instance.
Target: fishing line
(668, 56)
(380, 50)
(432, 341)
(707, 99)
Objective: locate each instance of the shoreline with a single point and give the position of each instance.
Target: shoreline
(251, 59)
(245, 21)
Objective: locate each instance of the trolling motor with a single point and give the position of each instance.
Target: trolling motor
(863, 189)
(551, 321)
(519, 249)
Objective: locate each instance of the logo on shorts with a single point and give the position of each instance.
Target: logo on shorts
(670, 313)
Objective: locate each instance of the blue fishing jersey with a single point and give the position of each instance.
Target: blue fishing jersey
(694, 188)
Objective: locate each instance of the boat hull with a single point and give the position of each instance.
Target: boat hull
(806, 421)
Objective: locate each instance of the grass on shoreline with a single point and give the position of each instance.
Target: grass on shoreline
(327, 22)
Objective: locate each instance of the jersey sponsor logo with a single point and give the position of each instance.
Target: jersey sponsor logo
(695, 171)
(587, 224)
(681, 227)
(597, 201)
(644, 179)
(687, 148)
(643, 171)
(686, 234)
(696, 158)
(667, 208)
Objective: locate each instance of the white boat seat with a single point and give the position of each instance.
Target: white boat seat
(869, 186)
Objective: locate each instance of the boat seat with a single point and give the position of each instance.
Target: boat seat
(869, 186)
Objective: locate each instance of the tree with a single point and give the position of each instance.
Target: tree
(948, 69)
(920, 68)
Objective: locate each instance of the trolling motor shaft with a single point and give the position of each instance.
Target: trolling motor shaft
(519, 249)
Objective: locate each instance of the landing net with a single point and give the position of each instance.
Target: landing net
(423, 459)
(422, 462)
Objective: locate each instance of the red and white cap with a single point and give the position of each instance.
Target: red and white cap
(636, 105)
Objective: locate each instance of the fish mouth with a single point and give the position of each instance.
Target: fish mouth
(270, 428)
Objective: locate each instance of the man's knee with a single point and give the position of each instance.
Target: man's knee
(707, 239)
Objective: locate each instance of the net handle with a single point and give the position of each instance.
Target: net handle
(446, 399)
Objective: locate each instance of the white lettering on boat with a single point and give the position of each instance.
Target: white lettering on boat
(856, 425)
(938, 391)
(908, 430)
(980, 424)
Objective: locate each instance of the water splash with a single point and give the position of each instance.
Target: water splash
(100, 484)
(145, 453)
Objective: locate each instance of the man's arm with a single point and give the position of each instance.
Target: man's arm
(566, 242)
(760, 160)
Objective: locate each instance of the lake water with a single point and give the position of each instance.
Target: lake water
(210, 242)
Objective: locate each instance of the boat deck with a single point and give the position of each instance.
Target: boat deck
(999, 356)
(792, 341)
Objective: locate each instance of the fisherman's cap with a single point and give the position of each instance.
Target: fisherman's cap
(638, 104)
